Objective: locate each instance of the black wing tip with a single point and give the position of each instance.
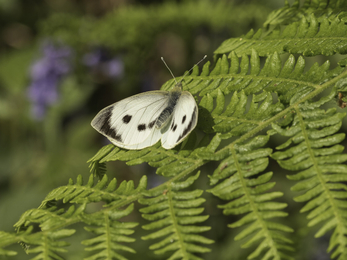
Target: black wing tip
(190, 127)
(101, 123)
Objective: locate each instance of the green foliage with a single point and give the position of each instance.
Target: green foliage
(109, 232)
(262, 89)
(175, 213)
(308, 37)
(313, 149)
(248, 192)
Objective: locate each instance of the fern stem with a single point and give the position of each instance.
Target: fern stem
(175, 224)
(46, 242)
(108, 237)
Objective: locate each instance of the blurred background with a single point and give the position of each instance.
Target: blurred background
(61, 61)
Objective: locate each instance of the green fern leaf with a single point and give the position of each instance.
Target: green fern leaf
(313, 150)
(284, 15)
(308, 38)
(97, 168)
(47, 246)
(174, 215)
(102, 191)
(168, 162)
(248, 194)
(104, 223)
(322, 9)
(290, 82)
(49, 218)
(110, 233)
(7, 239)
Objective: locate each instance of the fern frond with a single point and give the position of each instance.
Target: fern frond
(46, 244)
(290, 82)
(168, 162)
(313, 149)
(305, 37)
(104, 223)
(292, 13)
(101, 191)
(7, 239)
(110, 233)
(235, 121)
(247, 188)
(49, 218)
(175, 215)
(284, 15)
(97, 168)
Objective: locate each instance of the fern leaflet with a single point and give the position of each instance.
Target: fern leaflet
(248, 192)
(175, 213)
(313, 150)
(305, 37)
(110, 233)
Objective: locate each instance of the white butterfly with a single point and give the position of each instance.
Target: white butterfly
(142, 120)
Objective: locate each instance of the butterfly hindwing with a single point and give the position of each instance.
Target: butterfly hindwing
(130, 123)
(184, 119)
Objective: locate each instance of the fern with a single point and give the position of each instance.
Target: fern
(308, 37)
(313, 150)
(295, 12)
(248, 192)
(251, 96)
(47, 244)
(110, 232)
(175, 212)
(103, 223)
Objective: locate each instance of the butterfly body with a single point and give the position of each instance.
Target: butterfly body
(142, 120)
(173, 97)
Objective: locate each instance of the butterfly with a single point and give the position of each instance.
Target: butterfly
(142, 120)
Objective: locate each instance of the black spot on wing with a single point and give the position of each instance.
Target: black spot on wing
(151, 124)
(184, 119)
(141, 127)
(126, 119)
(173, 126)
(189, 127)
(106, 128)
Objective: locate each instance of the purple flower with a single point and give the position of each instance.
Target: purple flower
(101, 62)
(46, 74)
(114, 68)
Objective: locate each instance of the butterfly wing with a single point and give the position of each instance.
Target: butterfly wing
(130, 123)
(184, 119)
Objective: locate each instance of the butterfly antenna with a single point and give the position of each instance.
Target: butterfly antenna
(169, 69)
(185, 74)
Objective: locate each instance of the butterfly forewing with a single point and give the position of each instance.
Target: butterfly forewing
(184, 119)
(130, 123)
(152, 139)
